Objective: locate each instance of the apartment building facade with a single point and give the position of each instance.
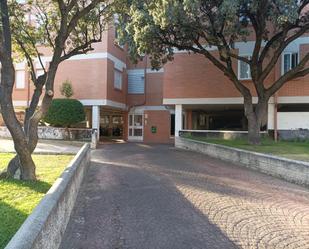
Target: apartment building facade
(137, 103)
(209, 101)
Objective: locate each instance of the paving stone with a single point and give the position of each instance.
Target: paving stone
(154, 196)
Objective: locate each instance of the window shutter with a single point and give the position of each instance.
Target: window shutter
(136, 82)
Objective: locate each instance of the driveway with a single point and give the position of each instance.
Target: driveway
(157, 197)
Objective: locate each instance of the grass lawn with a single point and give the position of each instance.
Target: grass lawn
(19, 198)
(292, 150)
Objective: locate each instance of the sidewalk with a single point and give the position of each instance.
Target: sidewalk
(45, 147)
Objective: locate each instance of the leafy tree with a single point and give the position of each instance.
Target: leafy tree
(65, 28)
(65, 113)
(158, 27)
(66, 89)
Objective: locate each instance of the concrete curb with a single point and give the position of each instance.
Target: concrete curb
(46, 225)
(290, 170)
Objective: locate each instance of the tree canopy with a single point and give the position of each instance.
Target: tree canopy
(43, 33)
(37, 24)
(161, 27)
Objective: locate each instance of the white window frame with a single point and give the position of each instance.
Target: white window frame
(116, 86)
(239, 61)
(17, 86)
(289, 53)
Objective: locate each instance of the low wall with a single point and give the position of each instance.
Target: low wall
(46, 225)
(290, 170)
(53, 133)
(227, 135)
(292, 135)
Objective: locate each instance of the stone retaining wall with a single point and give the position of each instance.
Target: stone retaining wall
(215, 134)
(53, 133)
(46, 225)
(290, 170)
(292, 135)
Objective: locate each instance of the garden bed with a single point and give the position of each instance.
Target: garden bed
(19, 198)
(287, 149)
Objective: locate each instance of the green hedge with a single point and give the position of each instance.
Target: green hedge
(65, 113)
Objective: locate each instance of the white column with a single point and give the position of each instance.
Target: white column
(178, 119)
(271, 116)
(96, 119)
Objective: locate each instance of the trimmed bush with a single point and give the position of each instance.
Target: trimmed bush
(65, 113)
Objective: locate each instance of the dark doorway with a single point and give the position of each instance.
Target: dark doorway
(112, 126)
(172, 124)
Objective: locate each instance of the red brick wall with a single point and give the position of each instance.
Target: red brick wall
(154, 92)
(298, 87)
(193, 76)
(88, 77)
(161, 120)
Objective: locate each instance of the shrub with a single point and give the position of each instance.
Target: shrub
(65, 113)
(66, 89)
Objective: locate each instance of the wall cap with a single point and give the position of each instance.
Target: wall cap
(33, 225)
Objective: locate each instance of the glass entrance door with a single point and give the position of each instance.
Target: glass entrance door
(136, 128)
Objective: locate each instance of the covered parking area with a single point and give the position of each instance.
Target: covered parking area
(221, 114)
(215, 117)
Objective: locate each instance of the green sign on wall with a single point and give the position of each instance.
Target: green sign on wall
(153, 129)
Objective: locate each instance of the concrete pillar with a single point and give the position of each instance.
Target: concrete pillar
(96, 119)
(178, 119)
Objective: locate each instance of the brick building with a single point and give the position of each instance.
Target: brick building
(137, 103)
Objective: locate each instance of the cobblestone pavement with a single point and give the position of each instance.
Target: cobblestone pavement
(154, 196)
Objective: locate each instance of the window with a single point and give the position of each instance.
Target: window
(244, 72)
(290, 60)
(202, 120)
(104, 120)
(117, 120)
(117, 79)
(136, 82)
(20, 79)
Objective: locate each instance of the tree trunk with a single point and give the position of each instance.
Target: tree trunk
(33, 116)
(257, 116)
(22, 166)
(14, 166)
(27, 167)
(254, 136)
